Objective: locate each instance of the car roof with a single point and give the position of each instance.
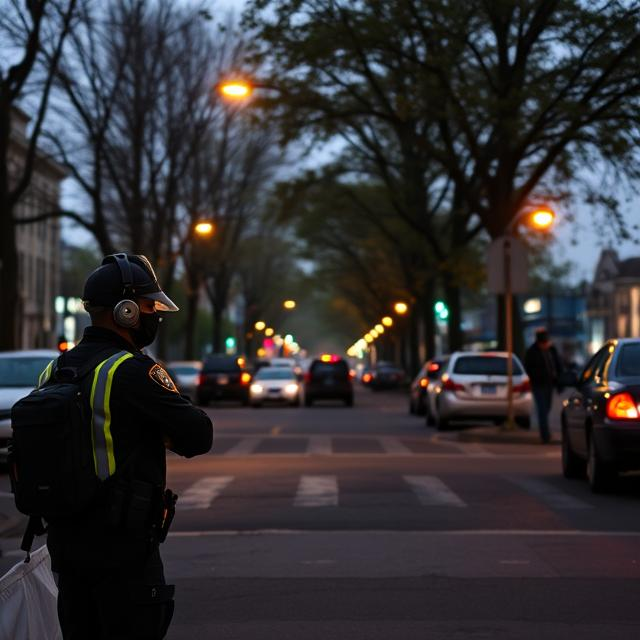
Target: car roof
(30, 353)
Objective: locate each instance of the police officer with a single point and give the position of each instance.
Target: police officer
(110, 574)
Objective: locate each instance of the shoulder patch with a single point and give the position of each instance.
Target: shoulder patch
(161, 377)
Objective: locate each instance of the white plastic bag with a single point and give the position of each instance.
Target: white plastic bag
(28, 601)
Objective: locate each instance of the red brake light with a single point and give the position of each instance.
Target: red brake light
(622, 406)
(433, 366)
(523, 387)
(201, 378)
(424, 382)
(245, 378)
(366, 377)
(450, 385)
(307, 376)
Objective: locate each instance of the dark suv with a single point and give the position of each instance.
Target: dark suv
(328, 378)
(223, 378)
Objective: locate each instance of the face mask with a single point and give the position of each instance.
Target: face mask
(146, 332)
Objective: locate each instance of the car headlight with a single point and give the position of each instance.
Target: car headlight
(257, 388)
(291, 388)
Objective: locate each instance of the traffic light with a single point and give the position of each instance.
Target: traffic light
(441, 309)
(230, 343)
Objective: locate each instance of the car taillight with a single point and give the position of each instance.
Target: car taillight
(201, 378)
(622, 406)
(424, 382)
(433, 367)
(523, 387)
(245, 378)
(450, 385)
(366, 377)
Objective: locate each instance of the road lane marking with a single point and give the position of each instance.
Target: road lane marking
(201, 494)
(548, 494)
(393, 446)
(458, 533)
(319, 446)
(471, 449)
(317, 491)
(432, 492)
(245, 447)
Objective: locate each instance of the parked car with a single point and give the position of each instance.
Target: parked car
(429, 372)
(601, 418)
(275, 384)
(328, 379)
(473, 386)
(386, 375)
(223, 378)
(185, 374)
(19, 372)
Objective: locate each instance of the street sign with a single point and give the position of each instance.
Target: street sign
(518, 259)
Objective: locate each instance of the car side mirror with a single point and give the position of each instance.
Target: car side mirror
(568, 379)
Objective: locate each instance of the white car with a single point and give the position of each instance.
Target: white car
(186, 374)
(271, 384)
(473, 386)
(19, 372)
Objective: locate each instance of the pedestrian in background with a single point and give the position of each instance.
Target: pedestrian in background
(543, 367)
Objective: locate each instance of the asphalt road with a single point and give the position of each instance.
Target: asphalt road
(334, 522)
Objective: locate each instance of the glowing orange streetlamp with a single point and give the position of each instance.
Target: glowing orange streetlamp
(204, 228)
(401, 308)
(541, 219)
(387, 321)
(235, 89)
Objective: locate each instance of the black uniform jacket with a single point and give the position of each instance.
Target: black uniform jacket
(146, 416)
(542, 368)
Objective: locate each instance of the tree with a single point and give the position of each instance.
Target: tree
(34, 38)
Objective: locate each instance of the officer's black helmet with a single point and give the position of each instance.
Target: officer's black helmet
(124, 276)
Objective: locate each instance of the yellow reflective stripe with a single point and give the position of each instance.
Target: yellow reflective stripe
(91, 404)
(45, 375)
(107, 413)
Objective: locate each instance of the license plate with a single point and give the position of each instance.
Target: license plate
(223, 379)
(488, 389)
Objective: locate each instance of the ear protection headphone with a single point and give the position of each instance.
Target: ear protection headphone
(126, 313)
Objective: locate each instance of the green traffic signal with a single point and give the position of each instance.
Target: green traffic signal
(441, 309)
(230, 342)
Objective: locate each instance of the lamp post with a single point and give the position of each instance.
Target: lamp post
(538, 219)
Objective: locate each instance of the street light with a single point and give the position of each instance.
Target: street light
(289, 304)
(269, 332)
(235, 89)
(387, 321)
(368, 338)
(260, 325)
(373, 333)
(537, 219)
(379, 328)
(204, 228)
(401, 308)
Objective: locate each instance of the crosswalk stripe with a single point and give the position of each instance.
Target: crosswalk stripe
(245, 447)
(432, 492)
(393, 446)
(317, 491)
(548, 493)
(319, 446)
(201, 494)
(472, 449)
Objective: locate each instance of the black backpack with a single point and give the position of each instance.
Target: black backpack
(51, 452)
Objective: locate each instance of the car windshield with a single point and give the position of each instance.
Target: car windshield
(629, 364)
(222, 364)
(485, 366)
(330, 369)
(185, 371)
(21, 372)
(275, 373)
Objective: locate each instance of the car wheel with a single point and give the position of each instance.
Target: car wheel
(524, 422)
(421, 408)
(412, 409)
(308, 401)
(599, 474)
(572, 465)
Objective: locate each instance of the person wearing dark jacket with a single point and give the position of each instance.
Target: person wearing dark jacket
(107, 562)
(543, 367)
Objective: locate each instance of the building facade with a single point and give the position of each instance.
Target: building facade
(613, 304)
(38, 244)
